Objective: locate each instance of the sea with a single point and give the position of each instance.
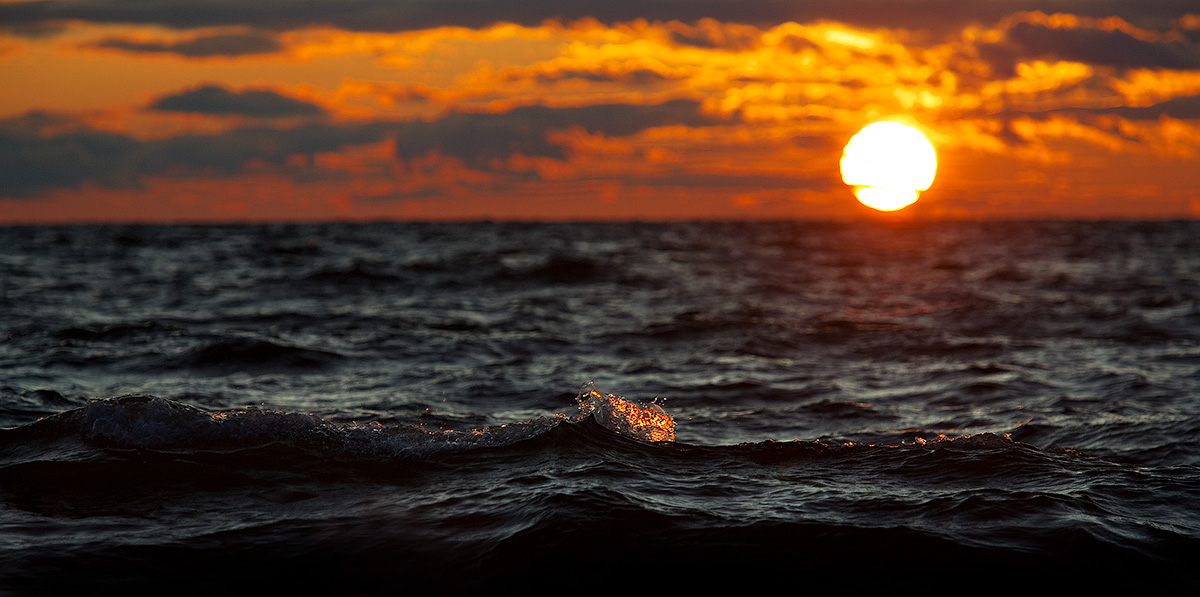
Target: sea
(631, 407)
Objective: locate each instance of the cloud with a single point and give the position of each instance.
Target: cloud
(33, 161)
(479, 139)
(633, 77)
(212, 99)
(210, 46)
(710, 34)
(36, 160)
(388, 15)
(1109, 47)
(1110, 42)
(8, 50)
(1183, 108)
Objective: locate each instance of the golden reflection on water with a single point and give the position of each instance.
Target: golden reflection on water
(650, 422)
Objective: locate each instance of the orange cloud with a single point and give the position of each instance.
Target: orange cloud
(1145, 87)
(209, 44)
(10, 49)
(707, 117)
(1061, 127)
(1070, 21)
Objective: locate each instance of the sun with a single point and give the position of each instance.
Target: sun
(888, 163)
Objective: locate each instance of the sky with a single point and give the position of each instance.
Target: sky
(307, 110)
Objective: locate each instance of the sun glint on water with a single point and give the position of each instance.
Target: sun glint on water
(648, 422)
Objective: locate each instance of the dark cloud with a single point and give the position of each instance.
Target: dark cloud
(212, 99)
(797, 45)
(35, 161)
(1099, 46)
(637, 77)
(480, 138)
(711, 35)
(1183, 108)
(737, 182)
(1027, 41)
(227, 46)
(391, 15)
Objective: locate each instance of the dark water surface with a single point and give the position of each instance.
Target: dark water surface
(382, 408)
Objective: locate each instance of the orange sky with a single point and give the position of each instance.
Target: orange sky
(162, 116)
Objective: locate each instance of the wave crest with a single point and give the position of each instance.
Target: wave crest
(647, 422)
(137, 421)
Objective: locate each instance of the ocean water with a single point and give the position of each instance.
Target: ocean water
(383, 408)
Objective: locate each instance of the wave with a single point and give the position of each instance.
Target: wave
(111, 428)
(26, 405)
(138, 421)
(608, 480)
(253, 353)
(115, 332)
(141, 422)
(358, 275)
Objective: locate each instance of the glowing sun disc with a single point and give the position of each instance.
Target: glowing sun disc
(888, 164)
(886, 199)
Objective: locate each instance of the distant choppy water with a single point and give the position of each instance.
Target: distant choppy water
(370, 409)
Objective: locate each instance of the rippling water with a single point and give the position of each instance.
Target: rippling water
(375, 408)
